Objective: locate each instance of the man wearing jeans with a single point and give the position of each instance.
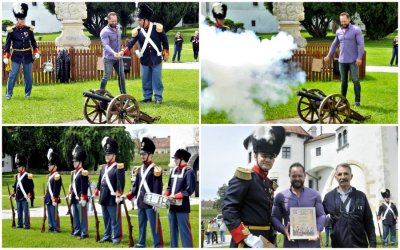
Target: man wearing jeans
(153, 49)
(21, 47)
(351, 43)
(111, 41)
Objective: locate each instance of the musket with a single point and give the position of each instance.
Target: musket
(130, 227)
(379, 227)
(95, 214)
(71, 219)
(12, 207)
(44, 210)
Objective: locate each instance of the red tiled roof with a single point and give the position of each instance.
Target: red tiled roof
(321, 137)
(297, 130)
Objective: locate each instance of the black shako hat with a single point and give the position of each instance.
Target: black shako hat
(53, 158)
(266, 140)
(79, 154)
(219, 10)
(145, 12)
(385, 193)
(20, 10)
(110, 146)
(20, 161)
(182, 154)
(147, 146)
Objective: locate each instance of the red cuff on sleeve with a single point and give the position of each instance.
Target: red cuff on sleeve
(167, 193)
(126, 51)
(178, 196)
(36, 50)
(55, 199)
(7, 55)
(129, 196)
(166, 51)
(237, 234)
(83, 197)
(96, 192)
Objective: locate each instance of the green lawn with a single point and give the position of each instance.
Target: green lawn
(34, 238)
(379, 52)
(58, 103)
(40, 179)
(378, 99)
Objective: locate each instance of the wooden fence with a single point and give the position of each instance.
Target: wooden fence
(311, 61)
(83, 65)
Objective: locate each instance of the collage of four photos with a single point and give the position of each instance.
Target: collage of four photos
(120, 129)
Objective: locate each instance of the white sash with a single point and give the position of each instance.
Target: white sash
(49, 186)
(108, 169)
(74, 184)
(147, 41)
(19, 183)
(175, 177)
(143, 181)
(388, 208)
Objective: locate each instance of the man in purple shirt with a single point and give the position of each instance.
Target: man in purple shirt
(351, 42)
(111, 41)
(297, 196)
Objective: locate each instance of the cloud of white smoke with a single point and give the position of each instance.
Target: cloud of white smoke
(242, 71)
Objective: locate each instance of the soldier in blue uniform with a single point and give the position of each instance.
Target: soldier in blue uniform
(23, 189)
(78, 192)
(247, 205)
(148, 180)
(181, 185)
(52, 197)
(388, 213)
(111, 187)
(19, 44)
(150, 36)
(219, 13)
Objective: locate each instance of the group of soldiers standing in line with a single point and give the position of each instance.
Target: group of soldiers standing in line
(109, 189)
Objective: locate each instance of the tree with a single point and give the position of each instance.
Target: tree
(169, 14)
(380, 18)
(5, 24)
(221, 194)
(192, 16)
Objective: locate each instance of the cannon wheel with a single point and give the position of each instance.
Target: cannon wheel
(334, 108)
(308, 109)
(123, 109)
(94, 110)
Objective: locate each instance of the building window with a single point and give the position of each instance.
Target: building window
(286, 152)
(310, 183)
(33, 23)
(249, 160)
(318, 151)
(340, 140)
(34, 3)
(255, 3)
(253, 23)
(344, 137)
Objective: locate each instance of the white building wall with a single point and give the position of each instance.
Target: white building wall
(45, 22)
(246, 12)
(6, 166)
(183, 137)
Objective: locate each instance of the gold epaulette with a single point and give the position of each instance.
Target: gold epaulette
(243, 173)
(30, 176)
(15, 177)
(85, 173)
(31, 27)
(274, 185)
(157, 171)
(57, 177)
(120, 165)
(10, 28)
(135, 31)
(159, 27)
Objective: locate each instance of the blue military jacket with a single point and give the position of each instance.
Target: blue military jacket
(185, 184)
(153, 180)
(150, 57)
(81, 184)
(116, 176)
(27, 184)
(20, 40)
(54, 182)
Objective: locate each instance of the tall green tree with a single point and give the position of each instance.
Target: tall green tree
(169, 14)
(192, 16)
(221, 194)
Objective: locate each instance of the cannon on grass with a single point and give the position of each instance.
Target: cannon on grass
(101, 107)
(314, 106)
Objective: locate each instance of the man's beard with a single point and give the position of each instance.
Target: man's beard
(345, 26)
(113, 25)
(297, 184)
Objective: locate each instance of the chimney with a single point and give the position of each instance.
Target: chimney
(313, 131)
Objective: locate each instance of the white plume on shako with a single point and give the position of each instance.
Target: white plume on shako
(242, 71)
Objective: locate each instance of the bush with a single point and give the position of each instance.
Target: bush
(5, 24)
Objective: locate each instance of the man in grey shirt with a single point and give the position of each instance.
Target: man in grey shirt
(111, 41)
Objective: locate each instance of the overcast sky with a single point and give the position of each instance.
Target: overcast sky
(151, 130)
